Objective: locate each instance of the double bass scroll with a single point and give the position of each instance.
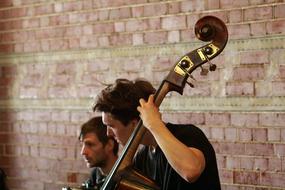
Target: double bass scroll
(209, 29)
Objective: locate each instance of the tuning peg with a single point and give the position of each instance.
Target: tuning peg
(212, 67)
(208, 50)
(185, 64)
(190, 84)
(204, 71)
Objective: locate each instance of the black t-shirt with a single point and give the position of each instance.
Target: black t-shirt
(95, 181)
(155, 165)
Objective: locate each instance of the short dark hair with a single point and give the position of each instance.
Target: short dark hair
(121, 99)
(96, 126)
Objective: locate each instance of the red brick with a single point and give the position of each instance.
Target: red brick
(201, 89)
(221, 161)
(31, 23)
(7, 37)
(73, 31)
(24, 128)
(274, 134)
(103, 28)
(58, 7)
(70, 130)
(88, 42)
(240, 89)
(258, 29)
(191, 21)
(187, 35)
(282, 135)
(259, 149)
(174, 7)
(6, 48)
(191, 6)
(254, 57)
(278, 88)
(214, 4)
(226, 176)
(233, 3)
(42, 115)
(235, 16)
(276, 27)
(231, 134)
(6, 3)
(53, 153)
(272, 119)
(260, 135)
(131, 65)
(239, 31)
(155, 10)
(87, 4)
(104, 41)
(229, 148)
(282, 71)
(137, 11)
(222, 15)
(173, 36)
(279, 150)
(256, 2)
(44, 9)
(119, 40)
(273, 179)
(155, 38)
(28, 92)
(154, 23)
(33, 127)
(80, 116)
(42, 128)
(247, 163)
(232, 162)
(119, 27)
(136, 25)
(72, 177)
(174, 23)
(279, 11)
(195, 118)
(251, 178)
(12, 150)
(248, 73)
(107, 14)
(259, 13)
(72, 6)
(217, 133)
(219, 119)
(274, 164)
(124, 13)
(138, 39)
(261, 164)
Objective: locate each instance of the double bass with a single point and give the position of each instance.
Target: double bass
(208, 29)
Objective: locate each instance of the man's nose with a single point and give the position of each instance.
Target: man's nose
(110, 132)
(83, 150)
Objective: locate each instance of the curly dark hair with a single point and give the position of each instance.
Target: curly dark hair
(121, 99)
(96, 126)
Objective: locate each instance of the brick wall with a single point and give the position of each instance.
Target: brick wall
(55, 55)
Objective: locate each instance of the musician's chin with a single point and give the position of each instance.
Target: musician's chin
(89, 164)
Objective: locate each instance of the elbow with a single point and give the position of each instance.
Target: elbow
(193, 174)
(191, 177)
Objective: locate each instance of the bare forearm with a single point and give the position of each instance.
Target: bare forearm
(187, 162)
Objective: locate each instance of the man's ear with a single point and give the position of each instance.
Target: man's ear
(133, 123)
